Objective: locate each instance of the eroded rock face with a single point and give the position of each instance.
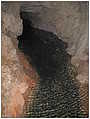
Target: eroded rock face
(69, 20)
(11, 22)
(15, 79)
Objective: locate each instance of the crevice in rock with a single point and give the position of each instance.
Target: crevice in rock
(42, 74)
(57, 93)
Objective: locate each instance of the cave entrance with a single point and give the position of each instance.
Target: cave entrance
(57, 95)
(45, 49)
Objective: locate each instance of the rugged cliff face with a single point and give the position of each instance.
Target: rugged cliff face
(68, 20)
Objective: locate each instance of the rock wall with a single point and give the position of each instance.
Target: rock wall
(69, 20)
(16, 81)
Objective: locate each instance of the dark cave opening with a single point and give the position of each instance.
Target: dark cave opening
(43, 47)
(58, 94)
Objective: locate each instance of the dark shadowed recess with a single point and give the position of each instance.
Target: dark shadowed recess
(57, 95)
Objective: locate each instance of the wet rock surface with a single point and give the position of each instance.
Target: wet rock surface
(57, 93)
